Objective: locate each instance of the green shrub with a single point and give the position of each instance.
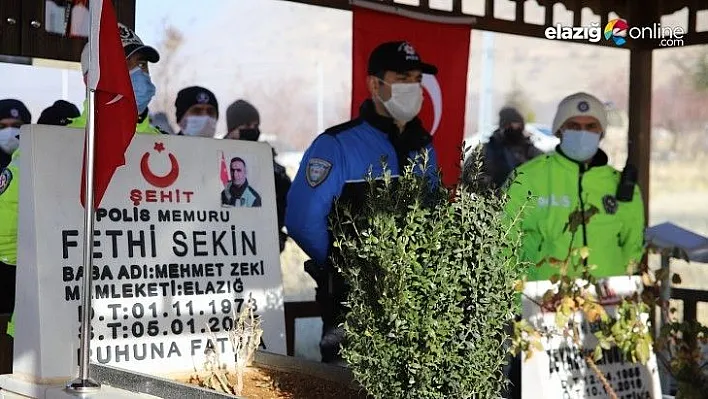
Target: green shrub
(432, 289)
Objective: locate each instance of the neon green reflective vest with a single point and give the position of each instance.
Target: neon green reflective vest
(9, 198)
(546, 190)
(143, 127)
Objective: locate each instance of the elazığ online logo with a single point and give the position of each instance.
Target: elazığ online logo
(618, 30)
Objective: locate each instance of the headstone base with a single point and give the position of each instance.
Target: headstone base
(16, 387)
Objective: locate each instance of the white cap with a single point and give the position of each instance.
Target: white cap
(580, 104)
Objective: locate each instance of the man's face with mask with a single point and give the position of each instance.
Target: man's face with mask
(143, 87)
(398, 95)
(580, 137)
(10, 134)
(199, 120)
(248, 132)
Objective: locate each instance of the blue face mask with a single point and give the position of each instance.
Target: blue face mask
(579, 145)
(142, 87)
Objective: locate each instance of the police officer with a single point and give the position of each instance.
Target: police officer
(339, 159)
(137, 56)
(9, 200)
(13, 114)
(576, 177)
(196, 112)
(56, 114)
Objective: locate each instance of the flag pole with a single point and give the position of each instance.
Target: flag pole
(84, 383)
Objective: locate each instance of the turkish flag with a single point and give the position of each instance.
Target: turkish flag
(446, 46)
(115, 112)
(224, 171)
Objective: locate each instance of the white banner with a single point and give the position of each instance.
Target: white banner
(560, 371)
(178, 250)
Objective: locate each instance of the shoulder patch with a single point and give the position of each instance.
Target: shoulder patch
(317, 171)
(5, 179)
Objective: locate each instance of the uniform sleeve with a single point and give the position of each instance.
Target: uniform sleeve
(520, 209)
(318, 182)
(632, 233)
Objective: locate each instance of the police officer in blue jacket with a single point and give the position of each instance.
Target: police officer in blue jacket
(338, 161)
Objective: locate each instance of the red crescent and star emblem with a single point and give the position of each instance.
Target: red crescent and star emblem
(159, 181)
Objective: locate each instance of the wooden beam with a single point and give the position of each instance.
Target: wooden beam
(457, 6)
(487, 22)
(520, 10)
(489, 8)
(694, 38)
(692, 17)
(639, 135)
(604, 10)
(548, 13)
(532, 30)
(577, 13)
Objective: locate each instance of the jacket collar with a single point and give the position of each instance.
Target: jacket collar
(5, 158)
(233, 191)
(600, 159)
(413, 137)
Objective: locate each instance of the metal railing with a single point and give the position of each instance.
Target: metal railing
(690, 300)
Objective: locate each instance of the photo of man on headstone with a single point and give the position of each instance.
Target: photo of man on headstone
(238, 191)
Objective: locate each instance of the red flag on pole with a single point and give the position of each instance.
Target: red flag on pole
(443, 45)
(115, 113)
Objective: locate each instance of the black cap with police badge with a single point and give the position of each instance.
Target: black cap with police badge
(14, 109)
(397, 56)
(194, 95)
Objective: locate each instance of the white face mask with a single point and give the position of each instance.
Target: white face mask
(405, 102)
(199, 125)
(580, 145)
(9, 139)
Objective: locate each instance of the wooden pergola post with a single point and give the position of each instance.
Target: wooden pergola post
(640, 98)
(639, 134)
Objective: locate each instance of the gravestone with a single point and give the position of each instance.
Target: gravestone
(172, 264)
(560, 371)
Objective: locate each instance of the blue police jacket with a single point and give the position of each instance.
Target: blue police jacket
(336, 165)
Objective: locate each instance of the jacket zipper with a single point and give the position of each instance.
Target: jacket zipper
(582, 208)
